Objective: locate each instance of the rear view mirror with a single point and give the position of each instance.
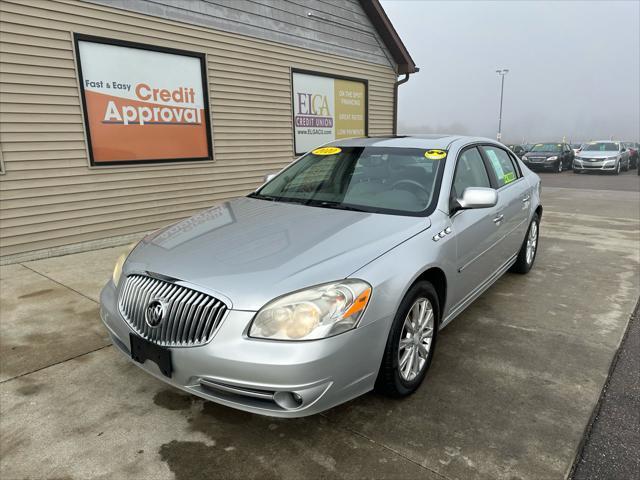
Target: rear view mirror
(478, 197)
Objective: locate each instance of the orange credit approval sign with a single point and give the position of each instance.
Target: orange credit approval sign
(142, 104)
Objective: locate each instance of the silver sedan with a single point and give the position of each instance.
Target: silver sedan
(604, 156)
(330, 280)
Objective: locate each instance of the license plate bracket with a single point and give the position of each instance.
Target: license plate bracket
(142, 350)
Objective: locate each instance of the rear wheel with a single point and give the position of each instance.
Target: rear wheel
(411, 342)
(529, 248)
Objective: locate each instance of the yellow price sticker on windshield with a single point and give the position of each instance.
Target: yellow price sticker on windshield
(435, 154)
(509, 177)
(326, 151)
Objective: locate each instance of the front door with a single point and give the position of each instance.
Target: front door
(474, 229)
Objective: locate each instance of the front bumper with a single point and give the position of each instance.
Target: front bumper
(543, 165)
(602, 165)
(276, 378)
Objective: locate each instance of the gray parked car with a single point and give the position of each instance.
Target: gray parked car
(605, 155)
(330, 280)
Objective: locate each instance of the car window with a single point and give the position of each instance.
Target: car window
(470, 172)
(373, 179)
(601, 147)
(546, 147)
(502, 165)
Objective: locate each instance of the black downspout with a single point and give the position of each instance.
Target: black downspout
(395, 102)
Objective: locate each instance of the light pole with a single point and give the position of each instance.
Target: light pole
(502, 72)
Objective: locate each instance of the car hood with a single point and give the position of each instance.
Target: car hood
(597, 154)
(542, 154)
(251, 251)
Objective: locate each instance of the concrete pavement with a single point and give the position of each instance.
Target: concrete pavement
(513, 385)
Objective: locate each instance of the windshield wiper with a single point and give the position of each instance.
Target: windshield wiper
(273, 198)
(338, 206)
(263, 197)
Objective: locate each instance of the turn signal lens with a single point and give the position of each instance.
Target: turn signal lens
(317, 312)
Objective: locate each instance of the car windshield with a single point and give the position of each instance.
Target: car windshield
(371, 179)
(601, 147)
(546, 147)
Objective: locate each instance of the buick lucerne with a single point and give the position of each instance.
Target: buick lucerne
(331, 279)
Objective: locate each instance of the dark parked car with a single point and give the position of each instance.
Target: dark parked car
(517, 149)
(632, 148)
(549, 156)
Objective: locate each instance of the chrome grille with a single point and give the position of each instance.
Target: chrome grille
(191, 317)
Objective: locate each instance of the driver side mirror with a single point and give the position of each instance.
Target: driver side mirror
(478, 197)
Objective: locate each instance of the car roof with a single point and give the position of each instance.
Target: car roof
(433, 141)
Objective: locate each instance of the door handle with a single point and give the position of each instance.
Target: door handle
(498, 218)
(526, 199)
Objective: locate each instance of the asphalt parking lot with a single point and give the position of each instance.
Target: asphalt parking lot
(513, 387)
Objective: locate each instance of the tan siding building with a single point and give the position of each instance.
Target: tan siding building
(53, 201)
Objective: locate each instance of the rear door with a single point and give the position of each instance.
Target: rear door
(513, 202)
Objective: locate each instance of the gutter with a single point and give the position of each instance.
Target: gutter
(395, 99)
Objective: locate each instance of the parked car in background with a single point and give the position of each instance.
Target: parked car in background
(605, 156)
(331, 279)
(632, 148)
(517, 149)
(549, 156)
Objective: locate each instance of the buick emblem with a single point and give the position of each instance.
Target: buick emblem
(154, 313)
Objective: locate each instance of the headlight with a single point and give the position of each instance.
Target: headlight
(317, 312)
(551, 159)
(117, 270)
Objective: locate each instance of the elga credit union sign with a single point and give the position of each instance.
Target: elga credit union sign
(142, 104)
(326, 108)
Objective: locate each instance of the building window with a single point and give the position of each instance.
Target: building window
(142, 103)
(326, 108)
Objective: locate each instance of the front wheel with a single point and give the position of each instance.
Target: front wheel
(411, 342)
(559, 167)
(618, 168)
(529, 248)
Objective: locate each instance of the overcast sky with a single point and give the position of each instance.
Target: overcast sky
(574, 68)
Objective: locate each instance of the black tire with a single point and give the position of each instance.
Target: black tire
(389, 381)
(576, 171)
(617, 170)
(626, 167)
(521, 265)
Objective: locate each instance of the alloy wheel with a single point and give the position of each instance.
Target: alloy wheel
(416, 339)
(532, 242)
